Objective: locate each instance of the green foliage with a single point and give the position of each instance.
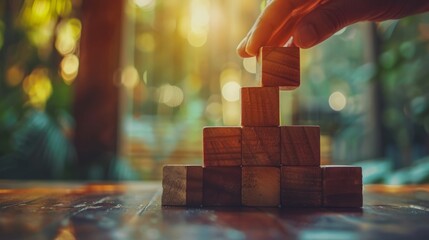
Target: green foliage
(404, 74)
(33, 143)
(39, 150)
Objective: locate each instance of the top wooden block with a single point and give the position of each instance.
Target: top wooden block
(279, 67)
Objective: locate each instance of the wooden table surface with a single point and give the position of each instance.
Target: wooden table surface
(53, 210)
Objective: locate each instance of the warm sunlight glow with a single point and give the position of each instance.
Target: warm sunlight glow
(200, 18)
(231, 91)
(145, 42)
(41, 8)
(197, 39)
(231, 113)
(230, 74)
(144, 3)
(337, 101)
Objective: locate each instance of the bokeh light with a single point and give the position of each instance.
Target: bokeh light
(38, 88)
(337, 101)
(69, 68)
(170, 95)
(199, 27)
(231, 91)
(250, 64)
(130, 77)
(144, 3)
(14, 76)
(68, 34)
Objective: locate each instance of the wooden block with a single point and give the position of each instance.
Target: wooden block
(342, 186)
(182, 185)
(261, 146)
(222, 146)
(301, 187)
(222, 186)
(260, 107)
(300, 145)
(279, 67)
(261, 186)
(174, 186)
(194, 186)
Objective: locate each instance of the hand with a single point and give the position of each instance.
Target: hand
(312, 21)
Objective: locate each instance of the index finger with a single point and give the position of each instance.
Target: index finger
(272, 18)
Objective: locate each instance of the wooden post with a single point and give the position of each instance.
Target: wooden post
(96, 97)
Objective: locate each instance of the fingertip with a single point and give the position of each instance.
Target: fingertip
(241, 48)
(242, 53)
(251, 50)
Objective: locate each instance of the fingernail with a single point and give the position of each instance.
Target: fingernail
(306, 36)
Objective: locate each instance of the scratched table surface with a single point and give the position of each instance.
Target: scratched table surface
(54, 210)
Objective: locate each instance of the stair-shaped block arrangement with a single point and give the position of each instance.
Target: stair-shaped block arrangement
(260, 163)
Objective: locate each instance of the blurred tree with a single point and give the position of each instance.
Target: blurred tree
(403, 69)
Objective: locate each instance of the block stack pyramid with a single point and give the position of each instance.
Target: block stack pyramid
(260, 163)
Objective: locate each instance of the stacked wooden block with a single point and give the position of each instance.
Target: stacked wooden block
(261, 163)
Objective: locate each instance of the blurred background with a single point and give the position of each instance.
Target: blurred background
(113, 90)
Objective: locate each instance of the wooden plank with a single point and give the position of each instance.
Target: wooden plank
(222, 146)
(261, 186)
(342, 186)
(42, 210)
(222, 186)
(279, 67)
(261, 146)
(260, 107)
(300, 145)
(174, 185)
(301, 187)
(194, 186)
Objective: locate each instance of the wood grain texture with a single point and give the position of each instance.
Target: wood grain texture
(261, 186)
(261, 146)
(222, 186)
(342, 186)
(260, 107)
(300, 145)
(173, 185)
(279, 67)
(194, 186)
(222, 146)
(301, 186)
